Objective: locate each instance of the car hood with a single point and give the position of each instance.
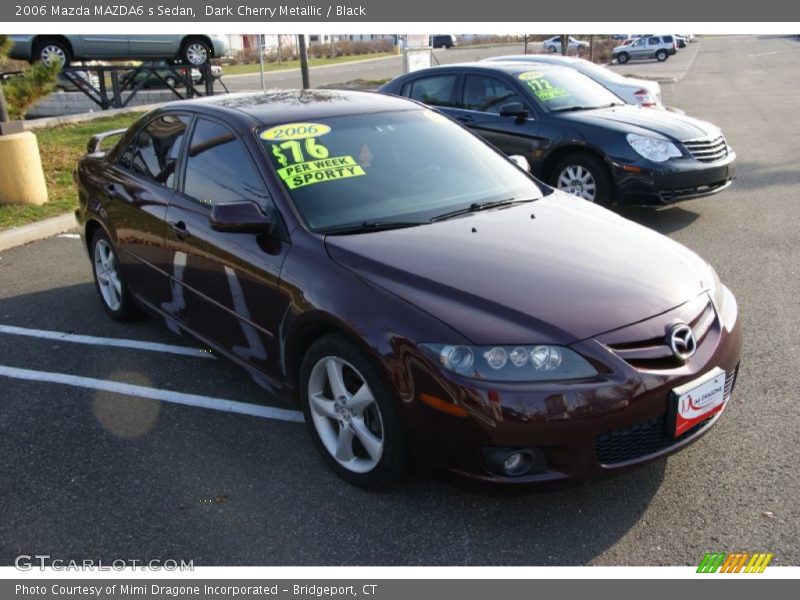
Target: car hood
(632, 119)
(557, 270)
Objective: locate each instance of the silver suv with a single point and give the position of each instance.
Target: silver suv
(660, 47)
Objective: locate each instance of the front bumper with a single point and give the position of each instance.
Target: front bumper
(586, 430)
(673, 181)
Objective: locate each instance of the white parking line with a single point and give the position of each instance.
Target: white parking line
(255, 410)
(102, 341)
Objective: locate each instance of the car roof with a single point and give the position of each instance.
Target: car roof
(511, 67)
(544, 58)
(282, 106)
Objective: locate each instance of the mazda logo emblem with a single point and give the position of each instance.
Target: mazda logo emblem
(681, 341)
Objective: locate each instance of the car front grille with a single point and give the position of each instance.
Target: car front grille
(655, 353)
(647, 437)
(707, 150)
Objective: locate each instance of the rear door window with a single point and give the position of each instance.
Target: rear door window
(438, 90)
(154, 152)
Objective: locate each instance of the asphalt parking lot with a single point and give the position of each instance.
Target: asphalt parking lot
(169, 467)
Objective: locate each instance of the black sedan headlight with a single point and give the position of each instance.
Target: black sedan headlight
(511, 363)
(653, 149)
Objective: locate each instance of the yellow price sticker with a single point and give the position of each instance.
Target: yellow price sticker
(528, 75)
(295, 131)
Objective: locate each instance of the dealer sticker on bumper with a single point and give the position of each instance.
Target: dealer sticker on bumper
(696, 401)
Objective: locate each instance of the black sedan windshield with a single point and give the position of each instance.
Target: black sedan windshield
(566, 89)
(403, 167)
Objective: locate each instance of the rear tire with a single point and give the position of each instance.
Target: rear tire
(351, 413)
(662, 55)
(53, 51)
(623, 58)
(109, 279)
(586, 176)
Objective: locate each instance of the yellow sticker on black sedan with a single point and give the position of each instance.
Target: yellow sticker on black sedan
(528, 75)
(295, 131)
(318, 171)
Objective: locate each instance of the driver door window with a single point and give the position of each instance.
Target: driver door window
(488, 94)
(219, 168)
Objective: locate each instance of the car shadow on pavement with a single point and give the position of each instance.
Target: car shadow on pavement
(666, 220)
(111, 476)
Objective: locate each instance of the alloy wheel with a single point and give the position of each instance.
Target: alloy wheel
(107, 272)
(579, 181)
(345, 414)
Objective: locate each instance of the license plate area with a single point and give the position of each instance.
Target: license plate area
(695, 401)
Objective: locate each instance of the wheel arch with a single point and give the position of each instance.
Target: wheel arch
(41, 39)
(203, 38)
(556, 155)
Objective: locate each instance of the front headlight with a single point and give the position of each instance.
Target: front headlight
(511, 363)
(653, 148)
(717, 291)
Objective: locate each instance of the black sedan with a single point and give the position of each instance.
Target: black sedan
(577, 135)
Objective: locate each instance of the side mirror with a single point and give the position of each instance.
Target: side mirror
(513, 109)
(240, 217)
(521, 162)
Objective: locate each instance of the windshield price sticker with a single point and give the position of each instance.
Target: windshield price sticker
(317, 171)
(295, 131)
(541, 87)
(303, 160)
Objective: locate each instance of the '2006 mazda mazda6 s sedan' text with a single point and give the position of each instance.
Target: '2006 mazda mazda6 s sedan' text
(417, 292)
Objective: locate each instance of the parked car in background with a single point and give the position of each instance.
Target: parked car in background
(159, 74)
(578, 136)
(64, 49)
(77, 81)
(378, 264)
(680, 41)
(633, 91)
(554, 44)
(660, 47)
(443, 41)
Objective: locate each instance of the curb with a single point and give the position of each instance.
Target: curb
(46, 122)
(17, 236)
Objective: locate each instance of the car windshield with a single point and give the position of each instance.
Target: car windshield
(560, 89)
(402, 167)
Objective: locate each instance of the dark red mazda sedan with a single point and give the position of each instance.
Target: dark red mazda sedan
(419, 294)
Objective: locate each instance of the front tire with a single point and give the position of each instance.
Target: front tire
(623, 58)
(196, 52)
(351, 414)
(662, 55)
(586, 176)
(109, 279)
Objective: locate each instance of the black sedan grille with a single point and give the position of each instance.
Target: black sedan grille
(647, 437)
(707, 150)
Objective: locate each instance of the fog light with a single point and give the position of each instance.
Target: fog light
(514, 462)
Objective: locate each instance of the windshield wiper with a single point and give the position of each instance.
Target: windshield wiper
(575, 108)
(479, 206)
(370, 226)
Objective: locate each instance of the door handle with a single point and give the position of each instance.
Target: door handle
(465, 118)
(179, 227)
